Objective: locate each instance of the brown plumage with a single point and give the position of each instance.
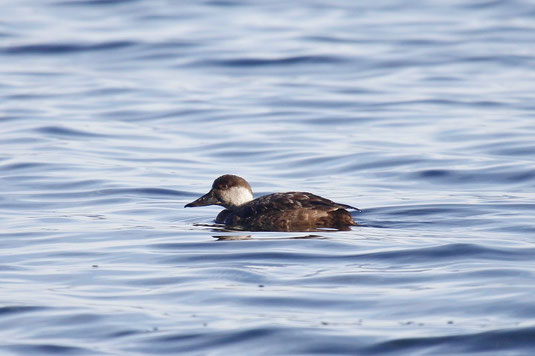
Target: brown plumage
(293, 211)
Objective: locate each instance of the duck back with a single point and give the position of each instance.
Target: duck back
(293, 211)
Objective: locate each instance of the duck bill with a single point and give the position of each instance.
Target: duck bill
(207, 199)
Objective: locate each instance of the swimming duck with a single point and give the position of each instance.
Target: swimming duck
(293, 211)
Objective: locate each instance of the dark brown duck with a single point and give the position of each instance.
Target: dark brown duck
(293, 211)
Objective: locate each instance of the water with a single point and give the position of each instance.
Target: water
(113, 115)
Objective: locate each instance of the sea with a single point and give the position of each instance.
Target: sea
(114, 114)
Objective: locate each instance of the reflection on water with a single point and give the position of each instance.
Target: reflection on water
(113, 115)
(250, 237)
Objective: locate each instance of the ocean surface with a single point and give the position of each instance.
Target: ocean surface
(115, 114)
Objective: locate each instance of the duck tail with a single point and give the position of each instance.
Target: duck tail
(343, 218)
(345, 206)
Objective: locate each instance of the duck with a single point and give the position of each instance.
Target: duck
(291, 211)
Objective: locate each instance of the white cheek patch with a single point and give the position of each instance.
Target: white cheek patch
(236, 196)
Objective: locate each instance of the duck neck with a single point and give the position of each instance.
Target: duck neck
(236, 197)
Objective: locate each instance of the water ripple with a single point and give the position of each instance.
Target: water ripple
(114, 114)
(261, 62)
(63, 48)
(491, 341)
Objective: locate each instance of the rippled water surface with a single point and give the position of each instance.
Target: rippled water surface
(114, 114)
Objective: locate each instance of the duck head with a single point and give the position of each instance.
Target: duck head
(228, 190)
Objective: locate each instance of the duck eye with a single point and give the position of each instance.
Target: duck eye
(217, 195)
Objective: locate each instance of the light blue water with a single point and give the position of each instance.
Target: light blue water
(113, 115)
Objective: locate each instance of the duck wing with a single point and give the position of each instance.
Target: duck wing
(289, 201)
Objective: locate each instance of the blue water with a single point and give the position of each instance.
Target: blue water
(114, 114)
